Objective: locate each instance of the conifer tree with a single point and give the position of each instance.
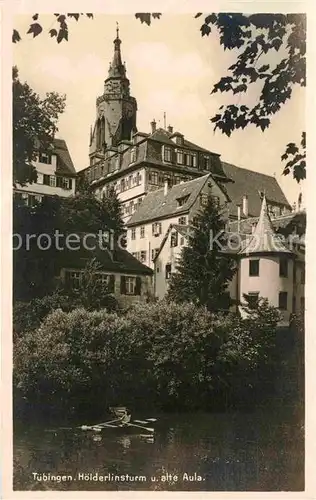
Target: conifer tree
(204, 270)
(111, 205)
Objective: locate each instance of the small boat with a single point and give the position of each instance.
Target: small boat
(122, 422)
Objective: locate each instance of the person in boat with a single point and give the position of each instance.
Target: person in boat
(126, 417)
(122, 413)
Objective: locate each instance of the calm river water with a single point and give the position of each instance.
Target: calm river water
(259, 451)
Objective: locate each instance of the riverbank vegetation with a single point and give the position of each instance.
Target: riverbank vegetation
(166, 355)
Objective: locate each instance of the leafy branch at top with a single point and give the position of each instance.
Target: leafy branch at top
(61, 33)
(255, 36)
(295, 156)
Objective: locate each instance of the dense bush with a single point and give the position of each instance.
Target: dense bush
(167, 355)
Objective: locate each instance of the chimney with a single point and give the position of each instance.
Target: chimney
(165, 188)
(245, 205)
(170, 129)
(153, 126)
(238, 218)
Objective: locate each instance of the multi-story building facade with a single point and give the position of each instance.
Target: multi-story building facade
(135, 163)
(267, 266)
(161, 178)
(178, 204)
(56, 175)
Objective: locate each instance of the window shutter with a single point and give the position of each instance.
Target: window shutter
(111, 283)
(58, 181)
(123, 285)
(138, 285)
(46, 179)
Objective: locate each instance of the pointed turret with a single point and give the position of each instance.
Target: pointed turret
(264, 238)
(117, 68)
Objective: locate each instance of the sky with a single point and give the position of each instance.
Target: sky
(172, 69)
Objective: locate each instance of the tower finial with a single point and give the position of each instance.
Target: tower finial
(117, 30)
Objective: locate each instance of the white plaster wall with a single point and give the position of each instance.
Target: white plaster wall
(40, 188)
(268, 283)
(168, 255)
(150, 241)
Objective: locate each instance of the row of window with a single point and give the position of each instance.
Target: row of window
(254, 269)
(156, 228)
(129, 285)
(128, 183)
(187, 158)
(158, 179)
(54, 181)
(131, 207)
(253, 298)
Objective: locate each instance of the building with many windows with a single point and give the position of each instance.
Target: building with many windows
(270, 258)
(56, 175)
(162, 179)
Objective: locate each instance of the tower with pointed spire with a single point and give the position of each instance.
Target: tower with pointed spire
(116, 109)
(267, 266)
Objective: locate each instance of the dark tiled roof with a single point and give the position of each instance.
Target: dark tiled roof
(149, 152)
(64, 161)
(247, 182)
(157, 205)
(119, 261)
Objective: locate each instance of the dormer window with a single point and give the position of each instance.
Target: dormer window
(181, 201)
(167, 154)
(45, 158)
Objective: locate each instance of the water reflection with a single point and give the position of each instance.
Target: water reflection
(231, 452)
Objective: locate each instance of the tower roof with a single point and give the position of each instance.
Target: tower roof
(117, 68)
(264, 238)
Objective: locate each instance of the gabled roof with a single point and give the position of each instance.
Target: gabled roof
(157, 205)
(64, 161)
(117, 261)
(264, 238)
(250, 183)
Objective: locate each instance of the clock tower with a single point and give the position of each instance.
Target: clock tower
(115, 109)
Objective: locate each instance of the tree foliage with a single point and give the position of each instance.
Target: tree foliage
(252, 37)
(35, 268)
(164, 355)
(34, 126)
(60, 32)
(204, 271)
(295, 157)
